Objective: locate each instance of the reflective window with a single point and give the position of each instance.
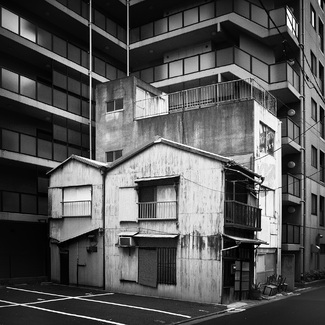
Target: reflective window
(59, 133)
(99, 19)
(44, 94)
(10, 140)
(42, 205)
(74, 86)
(146, 31)
(161, 26)
(161, 72)
(27, 87)
(10, 201)
(44, 38)
(59, 46)
(44, 149)
(28, 203)
(99, 66)
(74, 137)
(59, 99)
(28, 144)
(74, 104)
(176, 68)
(9, 80)
(60, 152)
(85, 108)
(27, 30)
(74, 53)
(191, 64)
(59, 79)
(207, 11)
(207, 61)
(9, 20)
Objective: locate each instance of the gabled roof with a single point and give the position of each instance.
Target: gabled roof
(87, 161)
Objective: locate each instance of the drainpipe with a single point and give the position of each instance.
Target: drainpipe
(303, 110)
(103, 172)
(90, 78)
(127, 38)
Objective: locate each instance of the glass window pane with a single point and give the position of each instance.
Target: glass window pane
(85, 140)
(9, 80)
(110, 72)
(27, 87)
(176, 68)
(44, 93)
(74, 104)
(10, 140)
(42, 205)
(85, 108)
(147, 75)
(28, 144)
(111, 27)
(74, 137)
(59, 46)
(42, 185)
(44, 38)
(99, 66)
(74, 53)
(9, 20)
(59, 80)
(99, 19)
(28, 203)
(146, 31)
(10, 202)
(27, 30)
(191, 16)
(74, 86)
(59, 133)
(60, 152)
(44, 149)
(59, 99)
(75, 6)
(175, 21)
(74, 151)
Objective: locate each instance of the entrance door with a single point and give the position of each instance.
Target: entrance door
(242, 279)
(64, 267)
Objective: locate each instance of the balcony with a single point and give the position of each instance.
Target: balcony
(76, 208)
(201, 97)
(290, 189)
(240, 215)
(290, 136)
(157, 210)
(291, 237)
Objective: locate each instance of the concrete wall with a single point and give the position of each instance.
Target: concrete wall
(199, 224)
(227, 129)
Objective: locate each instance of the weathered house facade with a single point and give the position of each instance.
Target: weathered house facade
(178, 222)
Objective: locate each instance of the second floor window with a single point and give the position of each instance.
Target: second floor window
(76, 201)
(113, 155)
(157, 199)
(314, 204)
(114, 105)
(313, 156)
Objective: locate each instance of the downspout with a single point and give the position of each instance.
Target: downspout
(127, 38)
(103, 172)
(90, 79)
(302, 103)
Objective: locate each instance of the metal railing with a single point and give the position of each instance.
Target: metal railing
(291, 185)
(157, 210)
(206, 96)
(76, 208)
(241, 215)
(290, 234)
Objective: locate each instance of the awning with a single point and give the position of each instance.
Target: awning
(127, 233)
(242, 240)
(149, 179)
(156, 235)
(90, 232)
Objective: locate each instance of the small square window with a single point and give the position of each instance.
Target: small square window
(114, 105)
(113, 155)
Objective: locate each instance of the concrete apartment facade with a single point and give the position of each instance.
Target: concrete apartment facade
(173, 46)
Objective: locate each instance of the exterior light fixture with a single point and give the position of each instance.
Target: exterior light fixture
(291, 209)
(291, 164)
(291, 112)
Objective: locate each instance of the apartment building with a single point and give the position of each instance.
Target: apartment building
(50, 67)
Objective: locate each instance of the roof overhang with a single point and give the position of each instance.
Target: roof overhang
(243, 240)
(156, 235)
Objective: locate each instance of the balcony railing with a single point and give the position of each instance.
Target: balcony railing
(291, 185)
(241, 215)
(197, 14)
(158, 210)
(290, 129)
(290, 234)
(274, 73)
(206, 96)
(76, 208)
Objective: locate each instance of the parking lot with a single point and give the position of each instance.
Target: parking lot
(55, 304)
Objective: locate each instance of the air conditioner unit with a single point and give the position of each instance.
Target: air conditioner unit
(126, 242)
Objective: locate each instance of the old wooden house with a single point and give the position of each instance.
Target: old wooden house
(177, 222)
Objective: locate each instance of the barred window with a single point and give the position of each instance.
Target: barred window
(167, 265)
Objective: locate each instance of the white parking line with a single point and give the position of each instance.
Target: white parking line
(95, 301)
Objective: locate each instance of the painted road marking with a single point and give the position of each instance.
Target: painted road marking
(96, 301)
